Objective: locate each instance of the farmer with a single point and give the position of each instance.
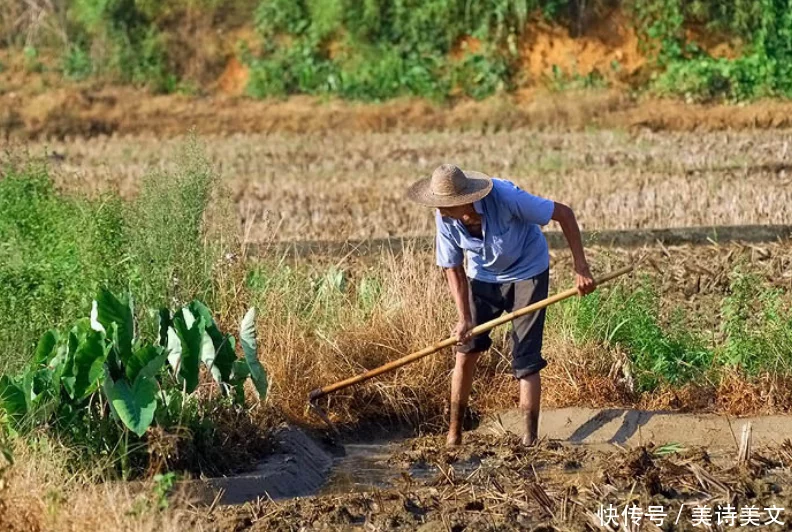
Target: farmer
(495, 226)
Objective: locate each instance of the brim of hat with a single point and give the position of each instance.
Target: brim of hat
(478, 186)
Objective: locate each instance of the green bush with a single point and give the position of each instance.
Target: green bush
(629, 318)
(170, 259)
(56, 250)
(388, 48)
(756, 327)
(763, 69)
(127, 43)
(76, 63)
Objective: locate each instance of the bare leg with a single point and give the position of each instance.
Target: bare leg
(461, 383)
(530, 396)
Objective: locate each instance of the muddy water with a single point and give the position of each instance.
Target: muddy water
(365, 467)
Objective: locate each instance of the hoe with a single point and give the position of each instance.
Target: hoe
(317, 394)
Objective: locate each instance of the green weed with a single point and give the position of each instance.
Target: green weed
(389, 48)
(628, 318)
(170, 260)
(757, 326)
(55, 251)
(98, 387)
(76, 63)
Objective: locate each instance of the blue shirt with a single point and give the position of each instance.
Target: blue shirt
(513, 247)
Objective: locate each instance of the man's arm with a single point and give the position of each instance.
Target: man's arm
(566, 219)
(458, 284)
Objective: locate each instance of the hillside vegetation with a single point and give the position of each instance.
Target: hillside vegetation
(380, 49)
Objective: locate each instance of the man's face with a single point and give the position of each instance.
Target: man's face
(464, 213)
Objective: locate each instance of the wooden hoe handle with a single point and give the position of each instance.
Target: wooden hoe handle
(448, 342)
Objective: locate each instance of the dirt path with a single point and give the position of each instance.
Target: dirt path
(635, 428)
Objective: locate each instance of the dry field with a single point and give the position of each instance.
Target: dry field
(350, 186)
(414, 311)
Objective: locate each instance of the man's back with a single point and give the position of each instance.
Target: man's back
(513, 247)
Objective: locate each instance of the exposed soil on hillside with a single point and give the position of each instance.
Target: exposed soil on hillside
(37, 102)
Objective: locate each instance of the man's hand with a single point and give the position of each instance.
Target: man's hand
(462, 329)
(585, 282)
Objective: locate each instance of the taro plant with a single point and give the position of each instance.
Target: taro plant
(102, 359)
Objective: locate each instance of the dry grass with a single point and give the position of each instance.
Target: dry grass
(351, 185)
(308, 349)
(38, 494)
(347, 186)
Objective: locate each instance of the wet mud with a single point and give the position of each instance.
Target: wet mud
(492, 482)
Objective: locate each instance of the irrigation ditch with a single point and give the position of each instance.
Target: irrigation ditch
(586, 457)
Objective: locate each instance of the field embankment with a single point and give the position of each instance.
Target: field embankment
(57, 115)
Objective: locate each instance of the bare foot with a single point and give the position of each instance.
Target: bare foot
(454, 439)
(529, 440)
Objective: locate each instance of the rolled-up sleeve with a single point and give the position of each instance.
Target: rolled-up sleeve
(449, 255)
(527, 207)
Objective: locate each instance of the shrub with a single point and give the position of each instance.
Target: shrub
(388, 48)
(76, 63)
(125, 43)
(55, 252)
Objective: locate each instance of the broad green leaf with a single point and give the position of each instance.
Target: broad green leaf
(247, 336)
(134, 405)
(45, 347)
(41, 394)
(188, 317)
(174, 349)
(191, 344)
(113, 356)
(12, 399)
(58, 362)
(224, 355)
(95, 325)
(147, 361)
(208, 356)
(77, 336)
(78, 332)
(112, 310)
(88, 364)
(199, 309)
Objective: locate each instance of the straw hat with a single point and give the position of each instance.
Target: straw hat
(449, 187)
